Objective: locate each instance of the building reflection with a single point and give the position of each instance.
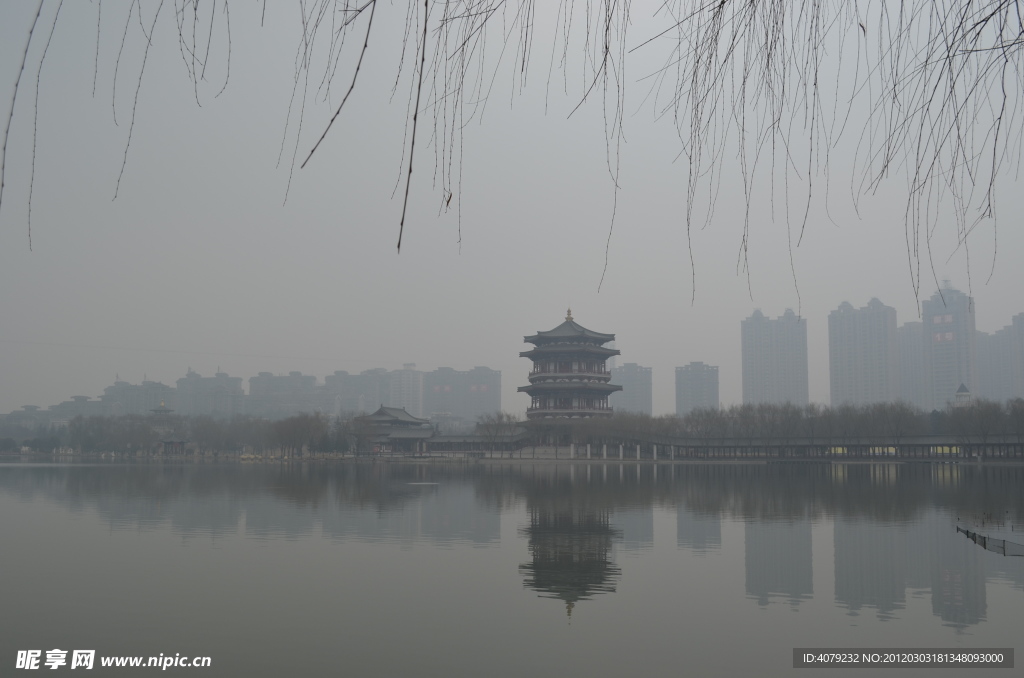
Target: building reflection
(894, 526)
(778, 561)
(698, 532)
(570, 550)
(870, 566)
(957, 573)
(440, 514)
(635, 527)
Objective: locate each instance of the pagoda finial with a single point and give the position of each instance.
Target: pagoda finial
(568, 314)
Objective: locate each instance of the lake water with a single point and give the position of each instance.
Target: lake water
(488, 569)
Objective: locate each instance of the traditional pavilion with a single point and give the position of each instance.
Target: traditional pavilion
(569, 376)
(392, 429)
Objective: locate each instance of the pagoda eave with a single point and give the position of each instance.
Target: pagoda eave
(559, 386)
(568, 413)
(562, 349)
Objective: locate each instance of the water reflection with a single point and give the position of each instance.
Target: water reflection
(635, 527)
(892, 526)
(569, 553)
(871, 566)
(778, 561)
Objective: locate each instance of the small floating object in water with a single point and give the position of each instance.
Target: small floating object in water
(423, 483)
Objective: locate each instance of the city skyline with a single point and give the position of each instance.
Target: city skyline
(200, 261)
(990, 381)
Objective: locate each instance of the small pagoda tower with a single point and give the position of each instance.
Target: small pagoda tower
(569, 376)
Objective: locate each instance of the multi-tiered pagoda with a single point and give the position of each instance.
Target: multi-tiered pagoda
(569, 376)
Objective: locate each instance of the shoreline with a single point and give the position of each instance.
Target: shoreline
(114, 458)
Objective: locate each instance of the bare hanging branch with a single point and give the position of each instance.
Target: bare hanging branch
(759, 91)
(14, 101)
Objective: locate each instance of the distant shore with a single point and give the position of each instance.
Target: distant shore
(479, 458)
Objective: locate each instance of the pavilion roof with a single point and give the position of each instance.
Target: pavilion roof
(393, 415)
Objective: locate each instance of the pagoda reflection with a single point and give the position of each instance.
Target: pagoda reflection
(569, 552)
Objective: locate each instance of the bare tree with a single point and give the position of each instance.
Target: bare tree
(898, 419)
(498, 430)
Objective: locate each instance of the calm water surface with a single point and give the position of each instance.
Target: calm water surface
(367, 569)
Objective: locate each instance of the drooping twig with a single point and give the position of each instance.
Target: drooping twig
(135, 102)
(415, 117)
(35, 122)
(96, 61)
(14, 100)
(355, 75)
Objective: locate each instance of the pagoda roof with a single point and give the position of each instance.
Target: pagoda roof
(569, 329)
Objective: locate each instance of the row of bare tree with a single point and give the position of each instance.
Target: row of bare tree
(890, 423)
(132, 433)
(754, 424)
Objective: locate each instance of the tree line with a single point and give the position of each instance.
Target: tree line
(746, 425)
(304, 433)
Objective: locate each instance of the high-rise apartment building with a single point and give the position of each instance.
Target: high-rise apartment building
(696, 388)
(406, 389)
(216, 396)
(949, 344)
(774, 359)
(863, 354)
(124, 398)
(1001, 362)
(274, 396)
(637, 394)
(461, 397)
(913, 371)
(357, 393)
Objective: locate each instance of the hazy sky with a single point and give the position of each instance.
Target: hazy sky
(200, 263)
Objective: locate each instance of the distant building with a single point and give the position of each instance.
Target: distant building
(569, 376)
(863, 354)
(460, 397)
(78, 406)
(1001, 362)
(696, 388)
(913, 371)
(28, 418)
(406, 389)
(217, 396)
(774, 359)
(124, 398)
(637, 392)
(357, 393)
(949, 344)
(279, 396)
